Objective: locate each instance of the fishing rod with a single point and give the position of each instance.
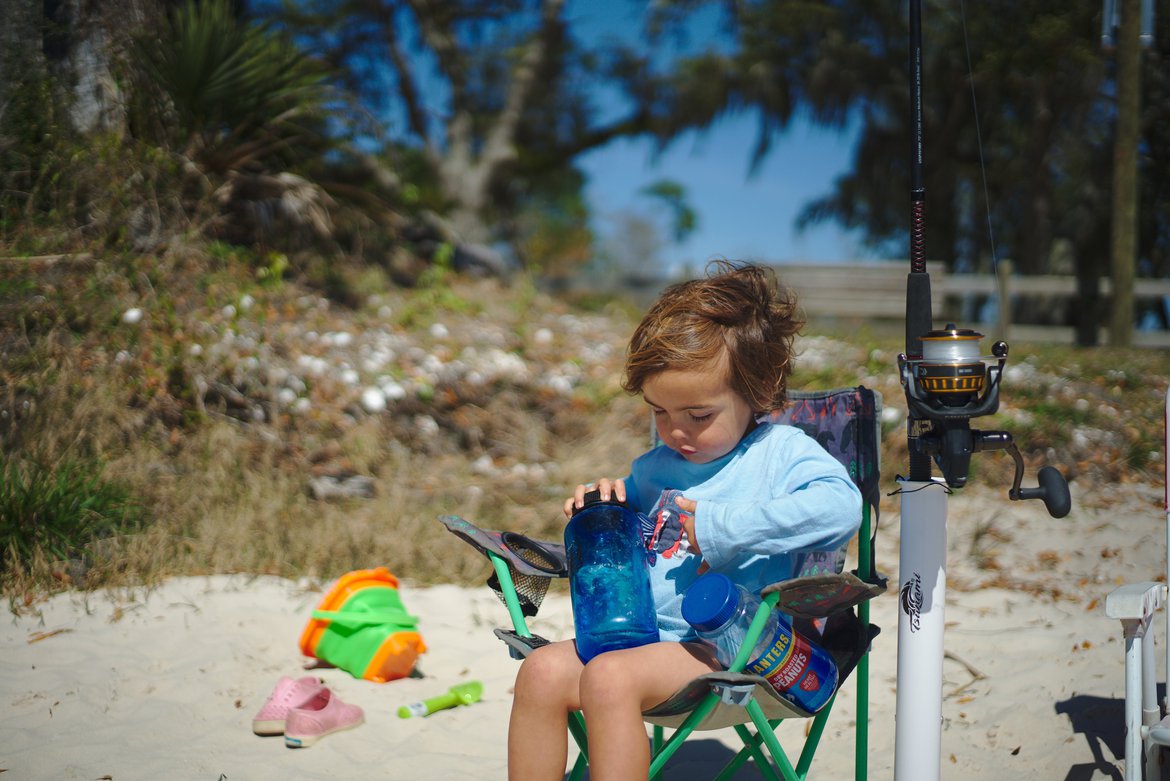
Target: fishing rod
(947, 382)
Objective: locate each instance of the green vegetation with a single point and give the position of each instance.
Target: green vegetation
(59, 512)
(160, 452)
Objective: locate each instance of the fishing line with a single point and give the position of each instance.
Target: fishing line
(979, 139)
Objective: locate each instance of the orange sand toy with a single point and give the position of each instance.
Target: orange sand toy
(362, 627)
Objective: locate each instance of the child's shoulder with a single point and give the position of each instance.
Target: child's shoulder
(792, 441)
(777, 433)
(789, 443)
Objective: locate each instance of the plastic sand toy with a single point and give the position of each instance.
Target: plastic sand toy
(463, 694)
(362, 627)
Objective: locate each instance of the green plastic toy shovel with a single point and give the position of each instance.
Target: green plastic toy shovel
(462, 694)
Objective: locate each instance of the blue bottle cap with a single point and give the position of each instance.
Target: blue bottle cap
(710, 601)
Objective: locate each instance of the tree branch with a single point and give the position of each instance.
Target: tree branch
(407, 88)
(434, 23)
(500, 147)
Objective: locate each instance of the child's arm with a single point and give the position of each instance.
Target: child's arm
(811, 505)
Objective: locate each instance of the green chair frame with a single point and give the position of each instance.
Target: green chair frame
(846, 421)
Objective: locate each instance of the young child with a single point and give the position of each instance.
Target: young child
(726, 491)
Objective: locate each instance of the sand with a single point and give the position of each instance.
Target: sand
(163, 683)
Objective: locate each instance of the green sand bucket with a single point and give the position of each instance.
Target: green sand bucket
(362, 627)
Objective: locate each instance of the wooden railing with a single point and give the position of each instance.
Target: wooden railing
(876, 291)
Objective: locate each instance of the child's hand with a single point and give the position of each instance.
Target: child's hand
(671, 522)
(610, 489)
(688, 507)
(687, 517)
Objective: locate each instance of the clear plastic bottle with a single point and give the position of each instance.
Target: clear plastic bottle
(609, 579)
(721, 612)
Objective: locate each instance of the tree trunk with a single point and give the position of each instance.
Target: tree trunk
(1088, 299)
(76, 43)
(20, 47)
(1125, 172)
(467, 174)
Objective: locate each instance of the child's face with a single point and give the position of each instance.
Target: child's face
(696, 412)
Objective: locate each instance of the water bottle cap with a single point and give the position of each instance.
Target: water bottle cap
(593, 499)
(710, 602)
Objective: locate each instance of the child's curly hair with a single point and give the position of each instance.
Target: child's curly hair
(739, 311)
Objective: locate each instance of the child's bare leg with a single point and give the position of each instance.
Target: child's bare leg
(616, 687)
(547, 688)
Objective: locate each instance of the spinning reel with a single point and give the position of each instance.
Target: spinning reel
(948, 386)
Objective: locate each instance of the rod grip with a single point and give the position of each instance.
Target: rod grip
(919, 318)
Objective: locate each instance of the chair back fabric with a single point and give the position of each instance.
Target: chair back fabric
(846, 422)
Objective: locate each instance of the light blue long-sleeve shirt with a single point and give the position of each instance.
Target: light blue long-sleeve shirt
(777, 494)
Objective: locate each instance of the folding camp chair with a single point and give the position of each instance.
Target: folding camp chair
(1147, 730)
(846, 422)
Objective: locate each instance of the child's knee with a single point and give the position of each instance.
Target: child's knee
(607, 679)
(548, 672)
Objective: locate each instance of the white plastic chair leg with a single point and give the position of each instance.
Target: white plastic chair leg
(1133, 703)
(1151, 712)
(1155, 728)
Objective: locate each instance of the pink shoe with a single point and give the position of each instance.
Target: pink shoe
(323, 715)
(287, 694)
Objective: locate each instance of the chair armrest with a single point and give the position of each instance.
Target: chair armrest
(1135, 600)
(520, 646)
(820, 596)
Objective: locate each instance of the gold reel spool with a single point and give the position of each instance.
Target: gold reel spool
(952, 367)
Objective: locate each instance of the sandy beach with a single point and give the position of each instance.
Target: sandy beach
(163, 683)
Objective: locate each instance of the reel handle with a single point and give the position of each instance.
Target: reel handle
(1053, 491)
(1053, 488)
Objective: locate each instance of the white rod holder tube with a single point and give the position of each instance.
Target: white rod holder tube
(922, 583)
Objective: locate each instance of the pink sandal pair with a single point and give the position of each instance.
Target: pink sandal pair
(304, 711)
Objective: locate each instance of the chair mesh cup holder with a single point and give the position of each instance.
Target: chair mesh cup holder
(535, 554)
(530, 589)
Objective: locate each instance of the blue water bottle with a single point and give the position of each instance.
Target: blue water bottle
(609, 578)
(721, 612)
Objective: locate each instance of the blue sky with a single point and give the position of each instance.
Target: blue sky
(741, 214)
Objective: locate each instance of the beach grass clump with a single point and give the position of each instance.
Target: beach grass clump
(57, 512)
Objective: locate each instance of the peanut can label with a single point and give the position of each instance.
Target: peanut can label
(785, 663)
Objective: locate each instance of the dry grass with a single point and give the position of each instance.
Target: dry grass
(229, 499)
(228, 495)
(225, 492)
